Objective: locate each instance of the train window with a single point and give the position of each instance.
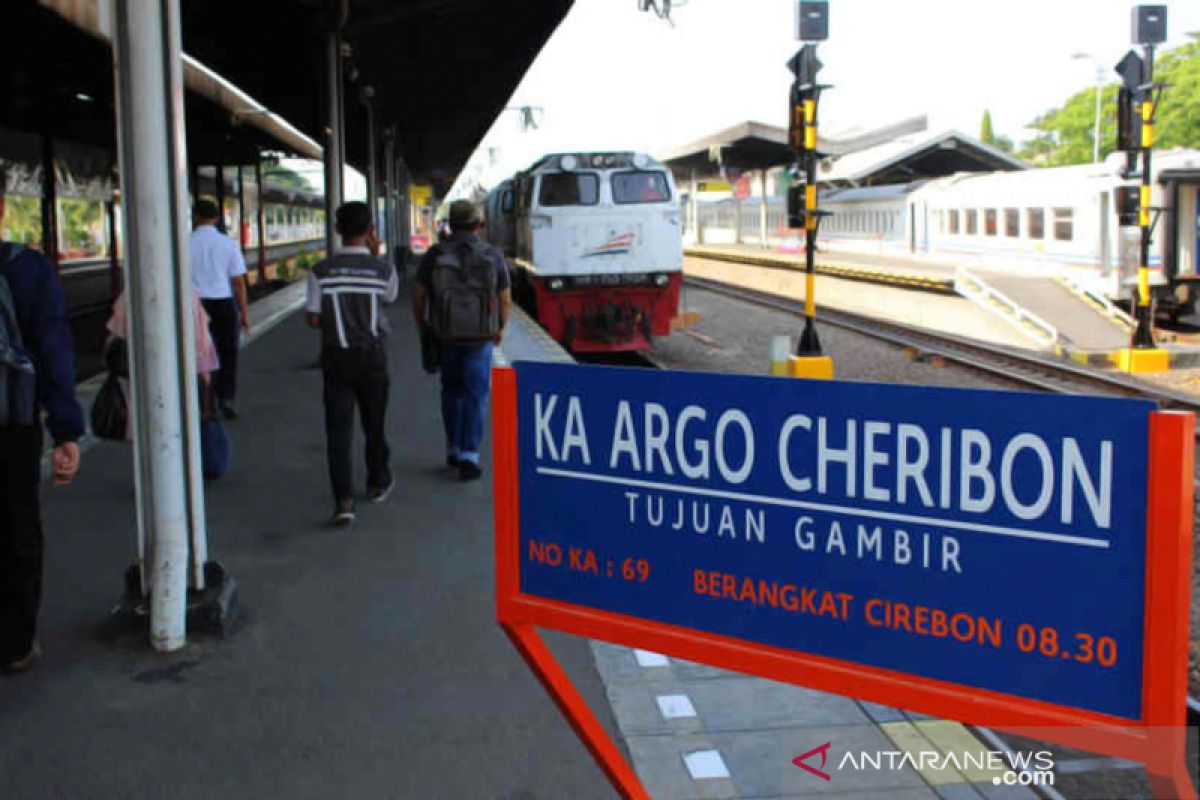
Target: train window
(569, 189)
(972, 222)
(1035, 223)
(22, 220)
(953, 220)
(1012, 222)
(1064, 224)
(506, 201)
(82, 229)
(640, 187)
(989, 222)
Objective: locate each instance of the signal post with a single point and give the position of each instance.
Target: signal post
(1137, 102)
(812, 27)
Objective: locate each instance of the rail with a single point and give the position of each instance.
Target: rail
(1037, 370)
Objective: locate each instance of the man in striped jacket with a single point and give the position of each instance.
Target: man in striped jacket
(345, 298)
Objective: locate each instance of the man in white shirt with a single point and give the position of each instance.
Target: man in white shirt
(218, 275)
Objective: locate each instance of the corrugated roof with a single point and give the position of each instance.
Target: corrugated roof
(862, 165)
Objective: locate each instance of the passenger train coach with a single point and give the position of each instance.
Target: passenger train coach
(596, 239)
(1061, 220)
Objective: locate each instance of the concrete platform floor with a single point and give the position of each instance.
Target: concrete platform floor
(367, 663)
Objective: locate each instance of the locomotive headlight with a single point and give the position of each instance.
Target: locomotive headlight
(661, 279)
(568, 162)
(555, 284)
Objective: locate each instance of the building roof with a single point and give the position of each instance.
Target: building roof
(441, 71)
(921, 155)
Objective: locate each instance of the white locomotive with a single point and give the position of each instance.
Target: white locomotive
(597, 242)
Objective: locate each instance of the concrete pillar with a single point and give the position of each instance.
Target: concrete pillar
(153, 163)
(367, 96)
(762, 209)
(261, 218)
(389, 192)
(333, 143)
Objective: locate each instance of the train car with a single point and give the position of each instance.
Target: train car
(499, 210)
(1059, 221)
(598, 248)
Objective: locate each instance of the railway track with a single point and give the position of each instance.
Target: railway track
(1034, 370)
(1046, 373)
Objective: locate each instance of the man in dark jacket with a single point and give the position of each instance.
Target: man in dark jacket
(466, 363)
(345, 293)
(41, 327)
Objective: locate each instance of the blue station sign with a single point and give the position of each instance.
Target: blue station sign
(995, 540)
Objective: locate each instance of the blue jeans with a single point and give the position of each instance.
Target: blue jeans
(466, 379)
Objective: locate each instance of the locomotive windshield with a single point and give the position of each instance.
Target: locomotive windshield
(640, 187)
(569, 189)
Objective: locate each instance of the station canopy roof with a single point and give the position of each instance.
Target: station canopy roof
(441, 71)
(916, 156)
(898, 153)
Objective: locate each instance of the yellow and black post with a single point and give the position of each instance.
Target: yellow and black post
(809, 361)
(1136, 108)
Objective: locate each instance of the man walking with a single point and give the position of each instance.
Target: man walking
(344, 295)
(218, 274)
(463, 288)
(37, 371)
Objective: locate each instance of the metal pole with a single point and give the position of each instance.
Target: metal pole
(333, 146)
(153, 163)
(241, 187)
(389, 193)
(762, 208)
(372, 188)
(220, 173)
(261, 218)
(49, 202)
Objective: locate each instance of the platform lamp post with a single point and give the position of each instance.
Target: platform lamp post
(1137, 102)
(812, 27)
(1099, 90)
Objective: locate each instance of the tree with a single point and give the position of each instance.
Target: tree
(1065, 133)
(986, 134)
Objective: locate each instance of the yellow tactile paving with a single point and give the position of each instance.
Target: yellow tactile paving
(963, 758)
(909, 739)
(889, 277)
(952, 737)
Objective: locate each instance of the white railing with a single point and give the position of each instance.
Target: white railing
(975, 289)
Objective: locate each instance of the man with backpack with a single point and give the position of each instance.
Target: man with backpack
(344, 296)
(463, 292)
(37, 371)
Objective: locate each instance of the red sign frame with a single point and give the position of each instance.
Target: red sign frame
(1157, 740)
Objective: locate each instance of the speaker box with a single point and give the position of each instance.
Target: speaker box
(1149, 24)
(813, 21)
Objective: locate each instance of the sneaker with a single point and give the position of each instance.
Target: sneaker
(452, 461)
(469, 471)
(24, 663)
(377, 494)
(344, 514)
(228, 411)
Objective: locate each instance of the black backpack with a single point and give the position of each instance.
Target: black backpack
(464, 304)
(18, 378)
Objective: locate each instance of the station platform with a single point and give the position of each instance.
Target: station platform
(367, 662)
(1065, 320)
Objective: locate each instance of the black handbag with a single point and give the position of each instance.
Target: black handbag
(116, 357)
(110, 411)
